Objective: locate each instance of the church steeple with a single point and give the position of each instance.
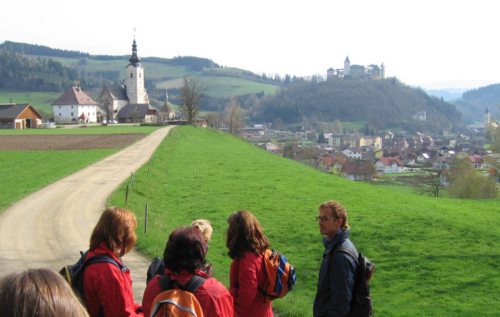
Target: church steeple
(134, 59)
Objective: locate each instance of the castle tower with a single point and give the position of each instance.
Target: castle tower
(487, 118)
(382, 71)
(347, 66)
(134, 79)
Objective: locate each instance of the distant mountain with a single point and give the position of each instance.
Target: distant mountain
(381, 104)
(450, 94)
(474, 102)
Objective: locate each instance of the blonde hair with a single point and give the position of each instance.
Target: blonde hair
(204, 227)
(38, 293)
(338, 212)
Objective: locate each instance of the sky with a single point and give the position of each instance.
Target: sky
(434, 44)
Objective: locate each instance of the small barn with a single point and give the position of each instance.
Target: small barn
(19, 116)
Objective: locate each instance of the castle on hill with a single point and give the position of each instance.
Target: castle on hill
(371, 71)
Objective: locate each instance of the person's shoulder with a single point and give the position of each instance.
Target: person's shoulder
(214, 289)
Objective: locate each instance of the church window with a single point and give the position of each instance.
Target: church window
(131, 75)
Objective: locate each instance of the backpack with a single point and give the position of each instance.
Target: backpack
(156, 267)
(177, 300)
(361, 303)
(280, 275)
(73, 273)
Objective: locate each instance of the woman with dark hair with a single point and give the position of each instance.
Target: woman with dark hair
(107, 287)
(38, 293)
(184, 257)
(247, 242)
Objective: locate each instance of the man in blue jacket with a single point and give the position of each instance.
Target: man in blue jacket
(337, 271)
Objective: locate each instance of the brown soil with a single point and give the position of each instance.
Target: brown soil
(67, 142)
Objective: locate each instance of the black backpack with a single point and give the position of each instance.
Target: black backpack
(361, 303)
(73, 273)
(157, 267)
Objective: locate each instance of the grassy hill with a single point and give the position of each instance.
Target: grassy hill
(435, 257)
(41, 100)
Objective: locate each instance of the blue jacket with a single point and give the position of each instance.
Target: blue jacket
(336, 278)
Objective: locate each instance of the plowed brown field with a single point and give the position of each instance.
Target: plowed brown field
(67, 142)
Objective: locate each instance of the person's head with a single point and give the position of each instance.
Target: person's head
(38, 293)
(204, 227)
(245, 234)
(185, 250)
(116, 228)
(332, 218)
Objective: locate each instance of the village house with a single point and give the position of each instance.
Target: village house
(330, 161)
(353, 152)
(19, 116)
(74, 106)
(388, 165)
(357, 170)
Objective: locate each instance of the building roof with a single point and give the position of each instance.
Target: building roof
(135, 111)
(116, 92)
(74, 96)
(388, 161)
(12, 110)
(357, 168)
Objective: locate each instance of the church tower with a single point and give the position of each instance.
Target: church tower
(382, 71)
(347, 66)
(134, 80)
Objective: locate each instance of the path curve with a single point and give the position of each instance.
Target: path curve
(49, 227)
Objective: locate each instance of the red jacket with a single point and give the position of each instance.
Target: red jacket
(106, 286)
(245, 275)
(214, 298)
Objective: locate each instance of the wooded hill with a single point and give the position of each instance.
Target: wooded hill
(380, 104)
(474, 102)
(28, 67)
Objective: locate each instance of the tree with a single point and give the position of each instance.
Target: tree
(190, 95)
(214, 119)
(321, 138)
(337, 127)
(467, 182)
(234, 116)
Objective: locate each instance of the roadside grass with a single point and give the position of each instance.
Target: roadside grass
(89, 129)
(24, 172)
(41, 101)
(434, 257)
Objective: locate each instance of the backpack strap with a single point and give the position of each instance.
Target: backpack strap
(341, 249)
(193, 284)
(105, 259)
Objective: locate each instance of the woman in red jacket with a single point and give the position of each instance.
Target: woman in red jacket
(107, 287)
(246, 243)
(184, 257)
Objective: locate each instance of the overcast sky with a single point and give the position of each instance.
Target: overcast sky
(432, 43)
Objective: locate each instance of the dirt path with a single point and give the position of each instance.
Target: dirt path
(49, 227)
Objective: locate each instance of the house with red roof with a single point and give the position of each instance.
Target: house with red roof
(389, 165)
(74, 106)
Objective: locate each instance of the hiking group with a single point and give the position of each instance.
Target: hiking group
(180, 283)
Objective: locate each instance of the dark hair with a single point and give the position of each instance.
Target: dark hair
(116, 227)
(338, 212)
(245, 234)
(38, 293)
(185, 250)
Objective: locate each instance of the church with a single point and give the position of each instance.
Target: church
(128, 102)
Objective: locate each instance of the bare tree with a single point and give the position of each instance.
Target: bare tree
(214, 119)
(234, 116)
(191, 93)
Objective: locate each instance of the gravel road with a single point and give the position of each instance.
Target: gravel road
(49, 227)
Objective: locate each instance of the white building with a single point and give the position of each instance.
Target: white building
(74, 106)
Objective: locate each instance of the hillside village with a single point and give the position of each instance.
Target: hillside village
(353, 155)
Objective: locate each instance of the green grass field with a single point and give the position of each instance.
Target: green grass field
(435, 257)
(91, 129)
(41, 101)
(36, 169)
